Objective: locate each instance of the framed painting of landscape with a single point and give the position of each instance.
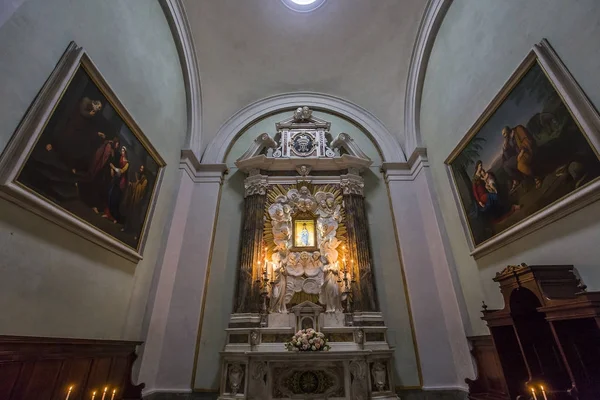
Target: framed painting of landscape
(531, 158)
(79, 159)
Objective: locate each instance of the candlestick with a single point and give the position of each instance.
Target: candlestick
(106, 389)
(543, 392)
(69, 392)
(93, 395)
(533, 393)
(113, 394)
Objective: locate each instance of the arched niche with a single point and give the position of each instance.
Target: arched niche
(229, 146)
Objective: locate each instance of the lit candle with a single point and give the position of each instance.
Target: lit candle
(93, 395)
(533, 393)
(113, 395)
(543, 393)
(69, 392)
(106, 389)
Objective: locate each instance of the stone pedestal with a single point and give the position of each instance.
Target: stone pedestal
(333, 375)
(256, 365)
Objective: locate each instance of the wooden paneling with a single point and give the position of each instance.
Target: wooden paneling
(33, 368)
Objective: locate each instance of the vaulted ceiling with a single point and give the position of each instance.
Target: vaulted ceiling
(356, 49)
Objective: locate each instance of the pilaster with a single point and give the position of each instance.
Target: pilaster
(435, 300)
(169, 350)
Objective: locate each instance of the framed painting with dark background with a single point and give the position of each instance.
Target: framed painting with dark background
(78, 158)
(531, 158)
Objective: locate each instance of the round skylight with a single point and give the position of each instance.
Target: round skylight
(303, 5)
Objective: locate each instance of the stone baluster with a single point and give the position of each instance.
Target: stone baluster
(359, 247)
(249, 273)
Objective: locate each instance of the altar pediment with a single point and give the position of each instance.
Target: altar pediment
(303, 140)
(307, 307)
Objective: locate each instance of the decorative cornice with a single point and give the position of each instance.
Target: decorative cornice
(182, 35)
(430, 24)
(511, 270)
(406, 171)
(201, 173)
(387, 144)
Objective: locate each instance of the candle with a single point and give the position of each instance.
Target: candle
(106, 389)
(113, 394)
(93, 395)
(69, 392)
(543, 393)
(533, 393)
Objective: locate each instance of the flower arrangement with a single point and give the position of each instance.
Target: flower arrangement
(308, 340)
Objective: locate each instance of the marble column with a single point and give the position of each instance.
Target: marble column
(251, 246)
(359, 246)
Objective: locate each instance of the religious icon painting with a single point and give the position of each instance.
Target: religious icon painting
(304, 233)
(532, 156)
(79, 159)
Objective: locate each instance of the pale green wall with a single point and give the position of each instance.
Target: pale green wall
(53, 282)
(221, 284)
(479, 45)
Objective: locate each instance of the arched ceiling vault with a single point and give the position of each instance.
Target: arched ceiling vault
(354, 49)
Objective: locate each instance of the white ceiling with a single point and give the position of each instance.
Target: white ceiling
(355, 49)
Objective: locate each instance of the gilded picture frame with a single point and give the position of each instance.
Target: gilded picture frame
(71, 142)
(531, 158)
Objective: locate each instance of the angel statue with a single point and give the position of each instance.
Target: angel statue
(330, 295)
(279, 289)
(281, 221)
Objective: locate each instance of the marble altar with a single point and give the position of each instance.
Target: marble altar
(305, 262)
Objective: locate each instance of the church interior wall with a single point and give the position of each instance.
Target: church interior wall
(224, 258)
(63, 284)
(479, 45)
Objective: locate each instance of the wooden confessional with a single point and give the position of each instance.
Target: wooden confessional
(546, 336)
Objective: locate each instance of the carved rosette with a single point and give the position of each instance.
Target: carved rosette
(352, 184)
(256, 184)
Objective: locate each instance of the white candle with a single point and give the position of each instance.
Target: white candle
(544, 393)
(93, 395)
(106, 389)
(113, 394)
(69, 392)
(533, 393)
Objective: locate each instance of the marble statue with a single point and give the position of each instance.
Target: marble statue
(281, 221)
(279, 285)
(330, 295)
(315, 272)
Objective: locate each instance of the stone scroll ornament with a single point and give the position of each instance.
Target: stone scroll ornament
(315, 272)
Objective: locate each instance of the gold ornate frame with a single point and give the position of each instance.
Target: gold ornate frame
(585, 116)
(17, 153)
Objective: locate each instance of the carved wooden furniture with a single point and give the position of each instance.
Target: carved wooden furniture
(35, 368)
(490, 383)
(548, 334)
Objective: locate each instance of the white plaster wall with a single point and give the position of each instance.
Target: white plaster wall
(479, 45)
(356, 49)
(52, 282)
(221, 283)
